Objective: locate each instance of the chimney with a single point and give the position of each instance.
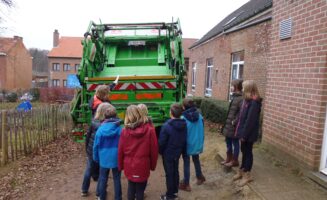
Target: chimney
(55, 38)
(18, 38)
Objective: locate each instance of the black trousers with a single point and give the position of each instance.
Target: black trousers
(136, 190)
(247, 156)
(172, 176)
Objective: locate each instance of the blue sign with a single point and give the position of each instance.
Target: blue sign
(72, 81)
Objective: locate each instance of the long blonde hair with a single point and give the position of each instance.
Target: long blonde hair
(144, 112)
(133, 117)
(105, 111)
(250, 90)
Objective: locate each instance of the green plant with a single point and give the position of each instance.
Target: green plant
(214, 110)
(197, 101)
(12, 97)
(35, 93)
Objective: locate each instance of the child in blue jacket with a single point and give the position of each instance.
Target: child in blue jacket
(195, 140)
(105, 150)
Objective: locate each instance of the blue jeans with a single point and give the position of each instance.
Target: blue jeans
(197, 166)
(87, 176)
(230, 142)
(102, 183)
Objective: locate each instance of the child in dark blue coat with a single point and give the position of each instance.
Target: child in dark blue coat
(247, 129)
(172, 144)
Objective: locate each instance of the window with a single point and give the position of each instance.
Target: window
(55, 67)
(64, 83)
(55, 83)
(66, 67)
(208, 91)
(76, 67)
(193, 75)
(237, 67)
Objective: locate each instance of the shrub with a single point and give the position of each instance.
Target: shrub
(197, 101)
(12, 97)
(214, 110)
(35, 93)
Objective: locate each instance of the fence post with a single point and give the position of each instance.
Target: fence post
(4, 158)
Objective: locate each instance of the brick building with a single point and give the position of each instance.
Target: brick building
(296, 93)
(64, 58)
(237, 47)
(15, 64)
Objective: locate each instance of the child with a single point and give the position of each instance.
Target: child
(105, 150)
(228, 130)
(144, 111)
(195, 140)
(138, 151)
(247, 129)
(172, 144)
(101, 95)
(92, 168)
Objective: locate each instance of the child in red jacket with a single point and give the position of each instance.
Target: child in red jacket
(137, 152)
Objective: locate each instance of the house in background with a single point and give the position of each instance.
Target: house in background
(15, 65)
(236, 48)
(296, 95)
(64, 59)
(187, 43)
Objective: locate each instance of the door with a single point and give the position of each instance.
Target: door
(323, 160)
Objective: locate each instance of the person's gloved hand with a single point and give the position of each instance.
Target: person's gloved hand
(116, 81)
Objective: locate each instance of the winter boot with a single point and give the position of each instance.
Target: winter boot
(184, 186)
(200, 180)
(247, 178)
(233, 163)
(228, 158)
(238, 175)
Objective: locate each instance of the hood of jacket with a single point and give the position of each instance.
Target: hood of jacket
(178, 124)
(191, 114)
(110, 127)
(138, 130)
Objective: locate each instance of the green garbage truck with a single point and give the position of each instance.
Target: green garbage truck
(147, 57)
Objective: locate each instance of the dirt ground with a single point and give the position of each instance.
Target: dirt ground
(62, 180)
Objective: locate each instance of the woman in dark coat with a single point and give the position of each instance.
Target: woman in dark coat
(232, 142)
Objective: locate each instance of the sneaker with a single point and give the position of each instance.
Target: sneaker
(201, 180)
(185, 187)
(164, 197)
(84, 194)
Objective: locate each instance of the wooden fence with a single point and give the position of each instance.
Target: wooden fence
(21, 132)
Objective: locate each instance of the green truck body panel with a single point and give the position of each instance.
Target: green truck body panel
(149, 59)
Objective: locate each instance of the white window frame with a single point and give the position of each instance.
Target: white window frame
(66, 67)
(208, 83)
(55, 67)
(55, 83)
(64, 83)
(194, 65)
(76, 67)
(238, 64)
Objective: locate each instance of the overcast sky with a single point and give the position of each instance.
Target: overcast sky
(35, 20)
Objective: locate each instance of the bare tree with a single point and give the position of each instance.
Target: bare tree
(8, 3)
(3, 4)
(40, 59)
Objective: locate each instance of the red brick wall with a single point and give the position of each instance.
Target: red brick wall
(297, 81)
(3, 63)
(62, 75)
(18, 68)
(254, 41)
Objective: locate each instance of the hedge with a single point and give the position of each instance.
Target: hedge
(212, 109)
